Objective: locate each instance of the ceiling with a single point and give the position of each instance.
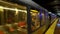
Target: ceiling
(50, 5)
(46, 4)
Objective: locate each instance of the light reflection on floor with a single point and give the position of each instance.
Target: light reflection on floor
(58, 25)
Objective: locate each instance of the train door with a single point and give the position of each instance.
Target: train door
(1, 21)
(35, 19)
(1, 16)
(50, 18)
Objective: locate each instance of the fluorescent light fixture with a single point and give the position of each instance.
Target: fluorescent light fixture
(58, 13)
(49, 12)
(1, 8)
(58, 25)
(14, 9)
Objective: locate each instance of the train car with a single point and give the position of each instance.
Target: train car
(23, 17)
(53, 17)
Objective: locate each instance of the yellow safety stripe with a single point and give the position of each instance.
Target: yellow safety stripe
(52, 28)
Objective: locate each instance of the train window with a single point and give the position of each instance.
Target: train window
(21, 19)
(47, 18)
(14, 20)
(35, 19)
(9, 16)
(43, 18)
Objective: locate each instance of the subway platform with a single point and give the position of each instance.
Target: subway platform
(54, 28)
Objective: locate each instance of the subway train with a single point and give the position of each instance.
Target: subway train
(24, 17)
